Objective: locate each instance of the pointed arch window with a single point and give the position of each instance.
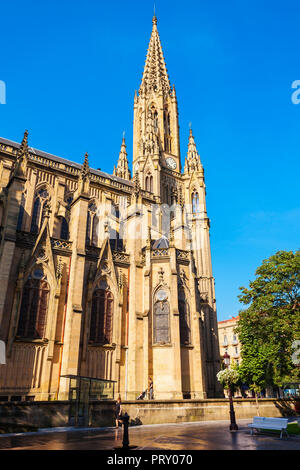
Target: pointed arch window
(161, 318)
(21, 213)
(184, 318)
(34, 305)
(167, 122)
(155, 121)
(115, 210)
(41, 200)
(167, 194)
(195, 202)
(167, 128)
(140, 121)
(92, 225)
(149, 183)
(64, 230)
(101, 315)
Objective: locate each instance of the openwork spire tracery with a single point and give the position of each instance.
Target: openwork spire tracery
(155, 75)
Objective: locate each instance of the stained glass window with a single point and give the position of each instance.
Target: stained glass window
(32, 320)
(101, 316)
(161, 321)
(184, 318)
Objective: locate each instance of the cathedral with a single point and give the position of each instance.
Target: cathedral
(109, 276)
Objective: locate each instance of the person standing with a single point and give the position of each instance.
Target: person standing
(150, 387)
(118, 411)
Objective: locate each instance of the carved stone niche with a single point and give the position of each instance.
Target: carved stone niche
(104, 267)
(42, 255)
(204, 297)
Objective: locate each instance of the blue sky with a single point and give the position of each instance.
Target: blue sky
(71, 69)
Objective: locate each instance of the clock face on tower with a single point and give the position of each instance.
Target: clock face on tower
(171, 163)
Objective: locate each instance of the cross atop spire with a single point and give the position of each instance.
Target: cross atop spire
(155, 77)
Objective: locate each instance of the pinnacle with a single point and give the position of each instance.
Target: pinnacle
(122, 169)
(192, 161)
(20, 165)
(23, 150)
(86, 168)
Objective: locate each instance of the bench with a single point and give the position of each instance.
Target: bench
(279, 424)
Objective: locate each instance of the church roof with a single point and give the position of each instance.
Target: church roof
(49, 156)
(155, 75)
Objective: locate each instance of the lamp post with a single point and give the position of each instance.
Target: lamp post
(233, 426)
(226, 359)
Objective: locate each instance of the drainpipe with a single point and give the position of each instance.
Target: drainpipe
(63, 329)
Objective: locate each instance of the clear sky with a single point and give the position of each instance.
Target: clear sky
(71, 69)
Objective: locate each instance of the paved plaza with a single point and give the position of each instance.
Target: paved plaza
(209, 435)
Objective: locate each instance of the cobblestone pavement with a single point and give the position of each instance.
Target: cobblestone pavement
(209, 435)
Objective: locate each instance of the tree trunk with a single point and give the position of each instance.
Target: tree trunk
(257, 407)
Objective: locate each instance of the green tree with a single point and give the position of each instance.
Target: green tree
(271, 323)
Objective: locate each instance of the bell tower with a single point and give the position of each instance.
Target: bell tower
(156, 148)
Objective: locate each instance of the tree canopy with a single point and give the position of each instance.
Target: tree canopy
(270, 324)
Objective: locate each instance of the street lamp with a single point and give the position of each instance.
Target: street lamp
(233, 425)
(226, 359)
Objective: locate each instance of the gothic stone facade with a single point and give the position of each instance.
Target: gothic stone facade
(98, 278)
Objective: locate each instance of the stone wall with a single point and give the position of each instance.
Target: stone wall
(56, 413)
(36, 413)
(145, 412)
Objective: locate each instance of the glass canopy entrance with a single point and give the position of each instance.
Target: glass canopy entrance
(83, 390)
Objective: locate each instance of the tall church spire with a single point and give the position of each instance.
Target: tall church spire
(156, 148)
(122, 169)
(155, 76)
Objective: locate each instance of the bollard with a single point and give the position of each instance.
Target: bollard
(125, 431)
(126, 446)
